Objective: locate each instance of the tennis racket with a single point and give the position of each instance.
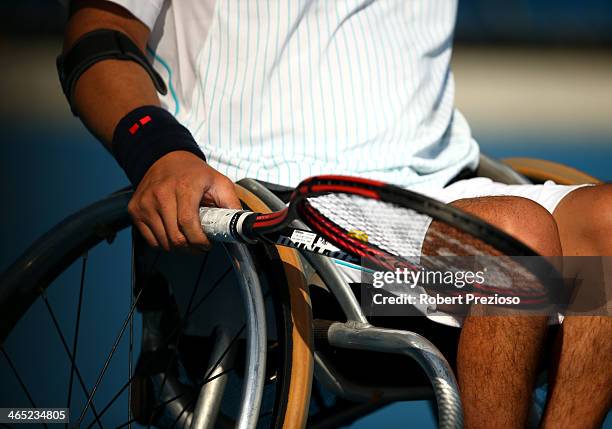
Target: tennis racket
(375, 224)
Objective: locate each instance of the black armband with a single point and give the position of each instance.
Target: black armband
(146, 134)
(97, 46)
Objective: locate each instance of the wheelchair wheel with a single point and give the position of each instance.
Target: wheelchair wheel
(186, 374)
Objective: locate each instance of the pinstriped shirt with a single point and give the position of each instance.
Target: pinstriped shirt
(280, 90)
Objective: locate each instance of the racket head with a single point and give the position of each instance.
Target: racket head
(383, 225)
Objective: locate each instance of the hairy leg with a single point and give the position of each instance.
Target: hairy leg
(581, 376)
(580, 389)
(498, 356)
(497, 363)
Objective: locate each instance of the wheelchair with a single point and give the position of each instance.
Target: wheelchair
(249, 337)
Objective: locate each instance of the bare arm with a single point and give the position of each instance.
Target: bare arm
(165, 204)
(110, 89)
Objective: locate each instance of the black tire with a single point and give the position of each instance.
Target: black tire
(29, 276)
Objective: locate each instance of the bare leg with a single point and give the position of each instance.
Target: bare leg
(580, 390)
(581, 378)
(498, 356)
(497, 364)
(584, 218)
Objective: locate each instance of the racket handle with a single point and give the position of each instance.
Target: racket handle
(225, 224)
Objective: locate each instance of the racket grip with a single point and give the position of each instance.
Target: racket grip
(225, 224)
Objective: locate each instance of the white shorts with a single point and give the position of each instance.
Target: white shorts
(548, 195)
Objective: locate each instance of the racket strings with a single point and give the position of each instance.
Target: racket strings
(446, 245)
(416, 238)
(389, 227)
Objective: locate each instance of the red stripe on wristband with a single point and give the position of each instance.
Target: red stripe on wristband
(134, 128)
(143, 121)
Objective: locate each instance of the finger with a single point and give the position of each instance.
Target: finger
(225, 196)
(155, 224)
(188, 204)
(167, 209)
(147, 234)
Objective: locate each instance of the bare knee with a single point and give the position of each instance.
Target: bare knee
(585, 221)
(519, 217)
(598, 214)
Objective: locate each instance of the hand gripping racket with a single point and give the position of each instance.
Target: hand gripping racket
(374, 224)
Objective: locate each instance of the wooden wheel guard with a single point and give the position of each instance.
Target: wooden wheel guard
(542, 170)
(296, 412)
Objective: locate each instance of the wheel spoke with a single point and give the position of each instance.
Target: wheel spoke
(155, 408)
(43, 295)
(190, 311)
(109, 358)
(214, 377)
(207, 378)
(116, 343)
(195, 307)
(185, 408)
(76, 332)
(182, 325)
(131, 346)
(174, 398)
(209, 292)
(113, 399)
(19, 379)
(128, 423)
(225, 352)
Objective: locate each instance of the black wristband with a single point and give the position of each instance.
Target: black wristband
(146, 134)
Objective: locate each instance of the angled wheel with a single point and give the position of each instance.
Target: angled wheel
(70, 308)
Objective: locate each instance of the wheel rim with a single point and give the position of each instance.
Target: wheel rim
(108, 217)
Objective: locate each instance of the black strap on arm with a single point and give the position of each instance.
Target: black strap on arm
(99, 45)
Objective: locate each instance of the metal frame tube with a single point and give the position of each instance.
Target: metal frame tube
(354, 335)
(335, 382)
(211, 393)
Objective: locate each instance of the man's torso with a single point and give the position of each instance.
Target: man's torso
(282, 90)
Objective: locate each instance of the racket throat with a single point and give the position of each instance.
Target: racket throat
(309, 241)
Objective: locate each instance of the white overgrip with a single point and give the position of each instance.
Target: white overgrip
(223, 224)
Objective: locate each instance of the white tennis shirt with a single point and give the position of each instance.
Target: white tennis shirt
(280, 90)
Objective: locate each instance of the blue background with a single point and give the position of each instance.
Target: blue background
(52, 168)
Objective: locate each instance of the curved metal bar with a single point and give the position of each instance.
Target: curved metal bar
(324, 266)
(328, 271)
(500, 172)
(353, 335)
(177, 398)
(211, 394)
(335, 382)
(255, 371)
